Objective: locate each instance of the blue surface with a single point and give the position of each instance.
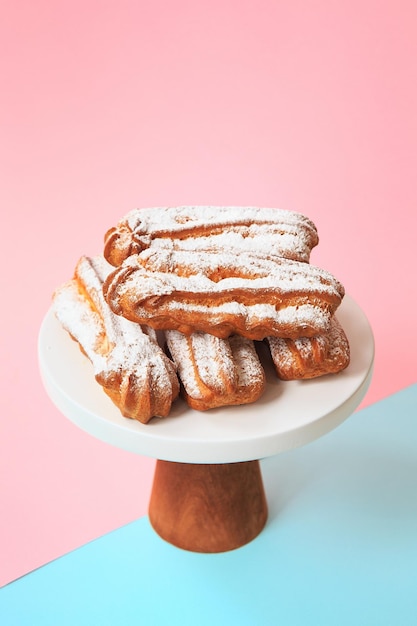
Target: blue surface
(340, 547)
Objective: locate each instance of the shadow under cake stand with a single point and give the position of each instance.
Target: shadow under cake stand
(207, 493)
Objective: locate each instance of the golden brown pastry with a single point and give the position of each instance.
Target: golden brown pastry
(127, 360)
(304, 358)
(285, 233)
(216, 372)
(252, 295)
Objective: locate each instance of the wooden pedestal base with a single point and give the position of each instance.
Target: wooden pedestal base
(210, 507)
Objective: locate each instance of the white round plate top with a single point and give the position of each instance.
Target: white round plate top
(288, 415)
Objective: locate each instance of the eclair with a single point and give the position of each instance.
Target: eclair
(286, 233)
(127, 360)
(310, 357)
(252, 295)
(216, 372)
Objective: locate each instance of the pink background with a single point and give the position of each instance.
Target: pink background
(108, 106)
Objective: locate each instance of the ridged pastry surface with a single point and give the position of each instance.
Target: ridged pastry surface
(254, 295)
(286, 233)
(213, 280)
(216, 372)
(310, 357)
(127, 360)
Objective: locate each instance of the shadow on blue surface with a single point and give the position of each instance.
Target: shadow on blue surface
(340, 547)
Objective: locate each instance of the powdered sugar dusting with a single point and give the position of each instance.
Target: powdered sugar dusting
(180, 218)
(305, 357)
(285, 233)
(84, 324)
(255, 289)
(216, 371)
(115, 346)
(214, 361)
(161, 271)
(203, 362)
(249, 368)
(304, 317)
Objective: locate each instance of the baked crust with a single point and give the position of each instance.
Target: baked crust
(243, 293)
(287, 233)
(214, 279)
(305, 358)
(216, 372)
(127, 360)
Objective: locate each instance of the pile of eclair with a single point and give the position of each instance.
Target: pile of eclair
(181, 296)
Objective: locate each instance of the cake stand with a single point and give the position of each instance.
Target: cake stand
(207, 493)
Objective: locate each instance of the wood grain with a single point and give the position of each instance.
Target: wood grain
(208, 507)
